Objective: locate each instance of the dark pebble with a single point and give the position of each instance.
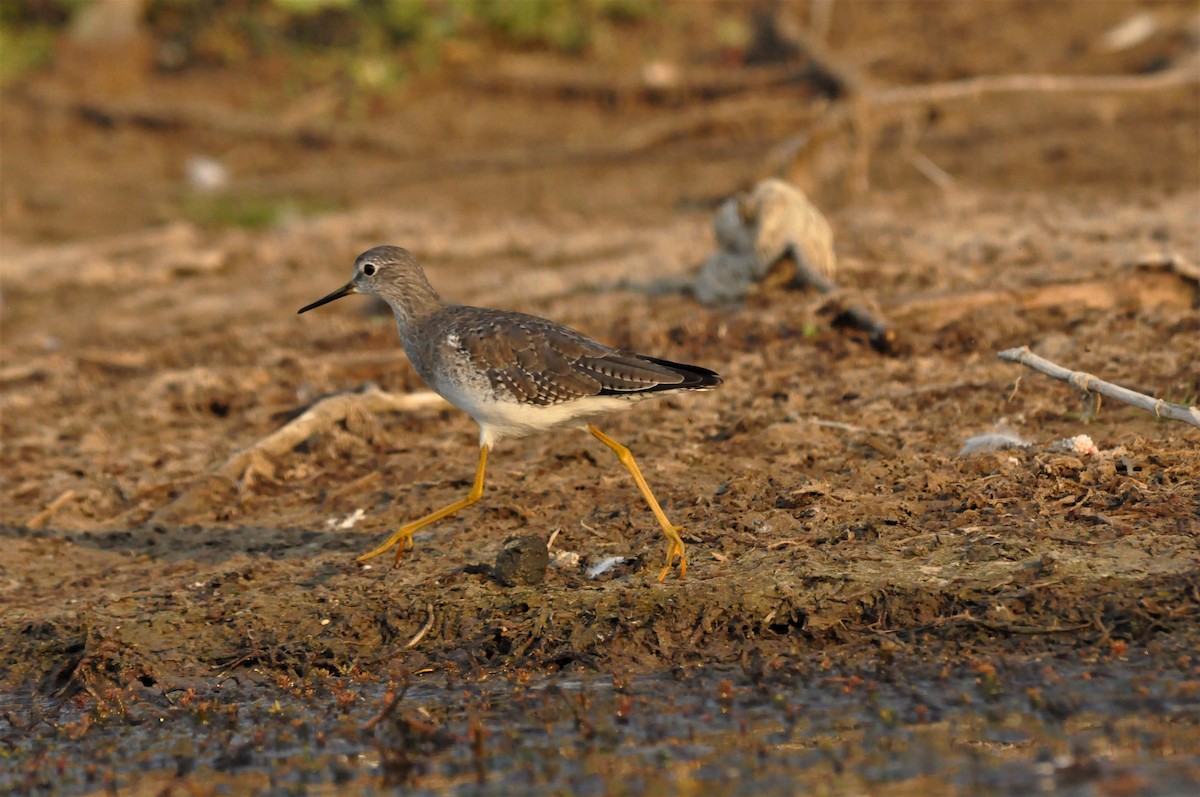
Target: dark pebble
(522, 561)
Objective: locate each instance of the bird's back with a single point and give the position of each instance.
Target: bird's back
(534, 361)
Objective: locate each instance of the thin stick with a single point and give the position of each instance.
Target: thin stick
(424, 629)
(845, 427)
(39, 520)
(1092, 386)
(788, 543)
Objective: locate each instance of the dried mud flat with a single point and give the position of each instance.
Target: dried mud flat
(864, 610)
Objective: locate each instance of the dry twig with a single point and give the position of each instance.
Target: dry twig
(424, 629)
(865, 104)
(41, 518)
(1093, 387)
(844, 427)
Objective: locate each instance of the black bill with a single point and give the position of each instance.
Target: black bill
(345, 290)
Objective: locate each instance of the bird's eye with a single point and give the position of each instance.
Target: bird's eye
(369, 269)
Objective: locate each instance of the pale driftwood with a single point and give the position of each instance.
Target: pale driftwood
(1092, 386)
(249, 463)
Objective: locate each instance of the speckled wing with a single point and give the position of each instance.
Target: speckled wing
(538, 362)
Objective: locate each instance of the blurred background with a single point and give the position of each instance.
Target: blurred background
(119, 114)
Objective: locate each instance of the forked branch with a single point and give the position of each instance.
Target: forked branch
(1092, 387)
(867, 107)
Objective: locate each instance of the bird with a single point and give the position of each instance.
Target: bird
(516, 375)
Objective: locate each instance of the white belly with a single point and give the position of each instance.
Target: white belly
(499, 419)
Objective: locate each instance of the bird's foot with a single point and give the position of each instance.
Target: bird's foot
(674, 548)
(402, 539)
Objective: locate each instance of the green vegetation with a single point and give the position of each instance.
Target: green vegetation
(27, 31)
(247, 212)
(24, 48)
(193, 33)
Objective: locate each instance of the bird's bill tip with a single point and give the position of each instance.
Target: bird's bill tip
(345, 290)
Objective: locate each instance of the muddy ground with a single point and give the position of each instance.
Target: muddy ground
(865, 610)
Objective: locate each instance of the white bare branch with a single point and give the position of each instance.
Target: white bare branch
(1092, 386)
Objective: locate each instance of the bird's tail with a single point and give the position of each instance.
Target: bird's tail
(694, 377)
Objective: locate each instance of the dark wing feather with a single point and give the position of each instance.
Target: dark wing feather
(690, 377)
(539, 362)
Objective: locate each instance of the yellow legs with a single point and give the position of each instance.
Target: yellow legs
(403, 536)
(674, 543)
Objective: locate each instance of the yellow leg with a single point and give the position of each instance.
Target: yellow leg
(403, 536)
(674, 542)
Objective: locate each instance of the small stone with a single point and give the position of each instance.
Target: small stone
(522, 561)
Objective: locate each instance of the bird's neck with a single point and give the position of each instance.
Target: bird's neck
(417, 302)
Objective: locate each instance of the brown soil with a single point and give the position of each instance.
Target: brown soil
(827, 512)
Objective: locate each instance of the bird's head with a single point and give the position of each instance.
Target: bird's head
(384, 271)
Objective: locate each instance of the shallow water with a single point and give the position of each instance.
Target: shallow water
(1049, 725)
